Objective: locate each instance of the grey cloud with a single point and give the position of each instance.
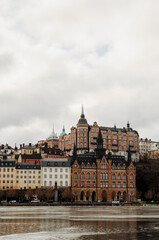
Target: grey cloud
(66, 54)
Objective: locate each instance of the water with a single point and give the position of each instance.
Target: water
(82, 223)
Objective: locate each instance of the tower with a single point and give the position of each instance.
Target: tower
(82, 134)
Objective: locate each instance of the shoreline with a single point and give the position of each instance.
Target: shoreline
(80, 204)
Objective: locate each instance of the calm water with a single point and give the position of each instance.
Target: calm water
(82, 223)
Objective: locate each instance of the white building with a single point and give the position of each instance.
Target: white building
(55, 171)
(146, 145)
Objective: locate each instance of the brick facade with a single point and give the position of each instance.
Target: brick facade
(103, 180)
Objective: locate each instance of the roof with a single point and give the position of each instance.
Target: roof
(28, 166)
(7, 162)
(31, 156)
(52, 163)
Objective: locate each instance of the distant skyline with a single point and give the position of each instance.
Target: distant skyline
(57, 55)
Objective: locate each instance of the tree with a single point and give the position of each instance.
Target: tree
(29, 194)
(149, 195)
(1, 194)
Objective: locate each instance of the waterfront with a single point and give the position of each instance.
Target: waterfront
(83, 223)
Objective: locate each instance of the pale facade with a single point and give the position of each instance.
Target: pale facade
(146, 145)
(7, 174)
(28, 176)
(55, 171)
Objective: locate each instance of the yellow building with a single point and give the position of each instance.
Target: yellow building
(7, 174)
(28, 175)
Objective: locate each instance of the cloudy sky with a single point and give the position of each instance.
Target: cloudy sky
(56, 55)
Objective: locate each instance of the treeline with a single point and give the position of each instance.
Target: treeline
(147, 180)
(44, 195)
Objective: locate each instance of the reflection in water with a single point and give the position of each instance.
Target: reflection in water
(83, 223)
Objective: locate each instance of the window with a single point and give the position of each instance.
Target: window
(82, 175)
(113, 184)
(75, 183)
(88, 184)
(82, 184)
(131, 176)
(124, 184)
(66, 170)
(93, 184)
(106, 184)
(55, 175)
(119, 176)
(61, 170)
(66, 176)
(45, 176)
(88, 175)
(106, 175)
(50, 175)
(101, 175)
(75, 175)
(113, 176)
(119, 184)
(93, 175)
(101, 184)
(45, 170)
(66, 183)
(50, 183)
(7, 169)
(45, 183)
(131, 184)
(61, 176)
(124, 176)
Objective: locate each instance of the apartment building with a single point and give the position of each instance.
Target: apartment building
(7, 174)
(55, 171)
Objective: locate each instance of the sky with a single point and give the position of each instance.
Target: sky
(57, 55)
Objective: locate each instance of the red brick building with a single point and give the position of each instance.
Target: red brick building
(115, 140)
(100, 177)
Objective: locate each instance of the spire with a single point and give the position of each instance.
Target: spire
(100, 151)
(53, 134)
(82, 110)
(82, 119)
(63, 132)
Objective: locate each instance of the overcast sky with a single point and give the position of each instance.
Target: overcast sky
(56, 55)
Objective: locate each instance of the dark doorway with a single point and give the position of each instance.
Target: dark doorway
(87, 196)
(82, 196)
(93, 196)
(124, 196)
(113, 196)
(104, 196)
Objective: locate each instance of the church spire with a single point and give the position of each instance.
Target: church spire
(82, 119)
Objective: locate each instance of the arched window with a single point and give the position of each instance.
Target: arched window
(75, 175)
(119, 176)
(94, 175)
(88, 175)
(124, 176)
(101, 176)
(113, 176)
(82, 175)
(131, 176)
